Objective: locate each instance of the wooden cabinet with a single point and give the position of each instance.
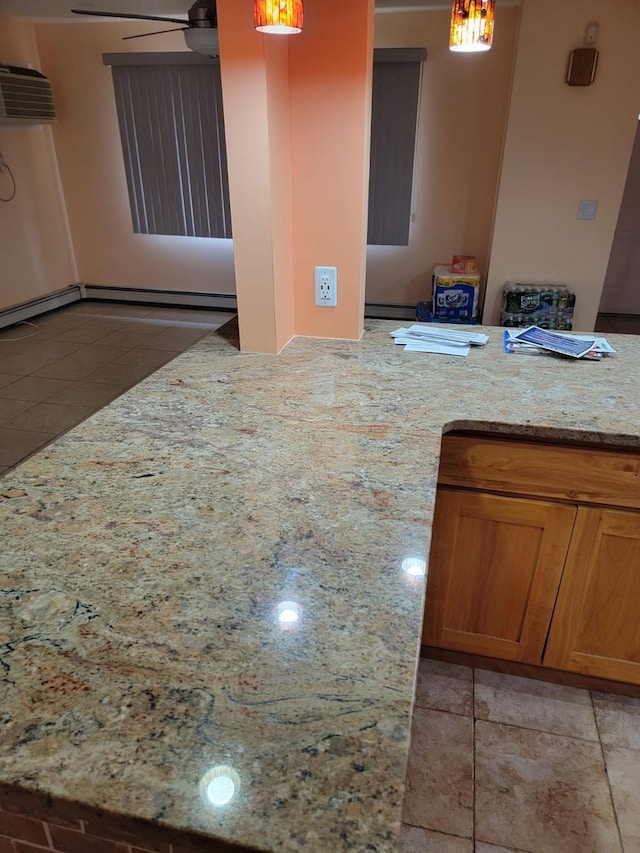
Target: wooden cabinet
(596, 624)
(494, 572)
(526, 565)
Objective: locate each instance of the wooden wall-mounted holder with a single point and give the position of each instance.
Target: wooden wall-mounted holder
(583, 63)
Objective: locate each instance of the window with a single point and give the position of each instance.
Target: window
(172, 130)
(394, 119)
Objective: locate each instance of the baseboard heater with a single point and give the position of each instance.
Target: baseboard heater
(96, 292)
(177, 298)
(40, 305)
(382, 311)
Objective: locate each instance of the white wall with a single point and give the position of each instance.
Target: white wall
(36, 256)
(89, 153)
(565, 144)
(621, 294)
(463, 115)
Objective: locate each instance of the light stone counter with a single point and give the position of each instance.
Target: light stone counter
(144, 555)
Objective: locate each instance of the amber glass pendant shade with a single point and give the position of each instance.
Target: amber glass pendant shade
(281, 17)
(472, 25)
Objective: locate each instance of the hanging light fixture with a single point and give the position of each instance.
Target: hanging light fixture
(282, 17)
(472, 25)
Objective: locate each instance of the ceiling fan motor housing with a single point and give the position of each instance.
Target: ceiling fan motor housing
(203, 14)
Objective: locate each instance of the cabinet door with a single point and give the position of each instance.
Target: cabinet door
(495, 568)
(596, 624)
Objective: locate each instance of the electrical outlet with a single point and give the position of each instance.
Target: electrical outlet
(326, 285)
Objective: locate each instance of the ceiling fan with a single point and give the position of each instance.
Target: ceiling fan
(200, 30)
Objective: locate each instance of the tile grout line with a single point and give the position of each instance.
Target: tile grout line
(606, 770)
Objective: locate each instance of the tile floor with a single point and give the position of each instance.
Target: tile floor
(80, 358)
(501, 764)
(619, 324)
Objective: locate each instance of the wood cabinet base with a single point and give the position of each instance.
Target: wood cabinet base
(525, 670)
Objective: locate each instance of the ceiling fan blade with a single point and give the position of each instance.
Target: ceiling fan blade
(127, 15)
(156, 33)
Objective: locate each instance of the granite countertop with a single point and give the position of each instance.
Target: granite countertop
(145, 556)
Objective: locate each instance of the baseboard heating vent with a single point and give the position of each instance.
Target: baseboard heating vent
(178, 298)
(40, 305)
(26, 97)
(382, 311)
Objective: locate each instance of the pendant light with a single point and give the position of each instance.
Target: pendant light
(282, 17)
(472, 25)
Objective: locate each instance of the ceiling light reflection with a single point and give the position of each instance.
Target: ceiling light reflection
(288, 614)
(219, 786)
(414, 566)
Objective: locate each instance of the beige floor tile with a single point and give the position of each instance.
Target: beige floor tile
(618, 720)
(50, 349)
(34, 388)
(26, 361)
(533, 704)
(542, 792)
(176, 338)
(483, 847)
(54, 323)
(131, 337)
(18, 333)
(50, 417)
(82, 363)
(444, 687)
(147, 357)
(88, 394)
(124, 375)
(624, 325)
(416, 840)
(10, 409)
(192, 315)
(16, 444)
(111, 309)
(623, 767)
(92, 330)
(439, 785)
(7, 379)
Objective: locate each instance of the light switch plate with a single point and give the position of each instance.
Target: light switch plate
(587, 208)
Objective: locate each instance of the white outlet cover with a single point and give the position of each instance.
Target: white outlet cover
(587, 208)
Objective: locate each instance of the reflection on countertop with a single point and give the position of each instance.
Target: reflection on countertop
(211, 591)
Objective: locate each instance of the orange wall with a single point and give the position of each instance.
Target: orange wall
(255, 79)
(89, 153)
(462, 121)
(565, 144)
(36, 255)
(297, 115)
(330, 78)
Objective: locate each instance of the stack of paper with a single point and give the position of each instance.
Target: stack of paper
(428, 338)
(536, 341)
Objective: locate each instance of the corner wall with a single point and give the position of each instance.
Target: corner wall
(565, 144)
(462, 123)
(88, 146)
(36, 255)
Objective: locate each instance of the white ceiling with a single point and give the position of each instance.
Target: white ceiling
(56, 10)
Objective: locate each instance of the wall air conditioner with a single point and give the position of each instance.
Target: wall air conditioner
(25, 97)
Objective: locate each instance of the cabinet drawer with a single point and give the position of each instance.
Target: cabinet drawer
(577, 474)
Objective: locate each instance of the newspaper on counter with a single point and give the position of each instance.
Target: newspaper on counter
(536, 341)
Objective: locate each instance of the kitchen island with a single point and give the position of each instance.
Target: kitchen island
(222, 570)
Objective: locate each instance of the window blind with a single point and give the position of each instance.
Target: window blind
(394, 118)
(172, 131)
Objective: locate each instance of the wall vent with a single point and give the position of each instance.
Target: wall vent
(25, 97)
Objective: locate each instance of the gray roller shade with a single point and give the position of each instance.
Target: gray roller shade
(172, 132)
(394, 116)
